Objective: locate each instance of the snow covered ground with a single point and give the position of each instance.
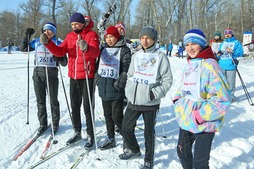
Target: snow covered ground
(232, 147)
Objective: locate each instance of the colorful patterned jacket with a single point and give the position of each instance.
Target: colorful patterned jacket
(203, 111)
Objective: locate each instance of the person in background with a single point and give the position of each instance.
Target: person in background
(82, 46)
(216, 41)
(121, 28)
(169, 48)
(180, 49)
(201, 102)
(45, 59)
(228, 52)
(148, 79)
(115, 58)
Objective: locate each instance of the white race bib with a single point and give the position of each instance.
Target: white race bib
(215, 47)
(145, 68)
(42, 59)
(191, 81)
(109, 63)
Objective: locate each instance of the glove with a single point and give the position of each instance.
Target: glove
(121, 81)
(30, 31)
(44, 39)
(82, 45)
(236, 62)
(62, 60)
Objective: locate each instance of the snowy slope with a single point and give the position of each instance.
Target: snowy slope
(232, 147)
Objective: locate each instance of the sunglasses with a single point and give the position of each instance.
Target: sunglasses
(228, 32)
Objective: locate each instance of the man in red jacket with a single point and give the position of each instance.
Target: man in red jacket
(82, 46)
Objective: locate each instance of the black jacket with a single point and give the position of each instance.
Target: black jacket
(112, 89)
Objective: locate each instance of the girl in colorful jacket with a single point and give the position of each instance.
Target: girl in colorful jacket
(201, 102)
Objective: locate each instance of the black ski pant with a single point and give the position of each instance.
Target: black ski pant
(128, 130)
(113, 113)
(78, 91)
(202, 148)
(40, 88)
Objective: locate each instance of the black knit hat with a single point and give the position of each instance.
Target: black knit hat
(77, 17)
(149, 31)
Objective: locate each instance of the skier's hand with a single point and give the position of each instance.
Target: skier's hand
(44, 39)
(82, 45)
(121, 81)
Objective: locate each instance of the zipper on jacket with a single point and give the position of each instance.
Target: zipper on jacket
(135, 94)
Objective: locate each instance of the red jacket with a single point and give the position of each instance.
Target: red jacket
(76, 69)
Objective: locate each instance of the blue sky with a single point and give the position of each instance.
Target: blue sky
(11, 5)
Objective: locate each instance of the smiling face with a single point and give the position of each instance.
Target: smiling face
(193, 49)
(110, 40)
(146, 41)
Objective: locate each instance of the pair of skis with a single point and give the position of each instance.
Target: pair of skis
(62, 149)
(27, 145)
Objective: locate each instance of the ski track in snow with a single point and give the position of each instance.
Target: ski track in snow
(232, 146)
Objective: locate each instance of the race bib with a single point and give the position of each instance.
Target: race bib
(145, 68)
(109, 63)
(215, 47)
(42, 59)
(191, 81)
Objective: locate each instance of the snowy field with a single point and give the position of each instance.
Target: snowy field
(233, 147)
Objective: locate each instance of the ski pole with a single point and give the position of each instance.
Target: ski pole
(162, 124)
(89, 98)
(61, 75)
(247, 94)
(49, 97)
(28, 58)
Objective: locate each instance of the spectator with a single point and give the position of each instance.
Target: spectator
(229, 50)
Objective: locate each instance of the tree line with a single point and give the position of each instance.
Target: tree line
(172, 18)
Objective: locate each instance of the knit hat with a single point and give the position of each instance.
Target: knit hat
(50, 26)
(121, 25)
(112, 30)
(77, 17)
(228, 31)
(149, 31)
(195, 36)
(217, 33)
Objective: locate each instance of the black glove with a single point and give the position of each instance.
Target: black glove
(44, 39)
(62, 60)
(30, 31)
(121, 81)
(236, 61)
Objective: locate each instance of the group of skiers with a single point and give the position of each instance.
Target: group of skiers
(143, 78)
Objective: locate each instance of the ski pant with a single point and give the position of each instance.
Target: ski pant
(78, 90)
(128, 128)
(40, 88)
(113, 113)
(231, 76)
(202, 148)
